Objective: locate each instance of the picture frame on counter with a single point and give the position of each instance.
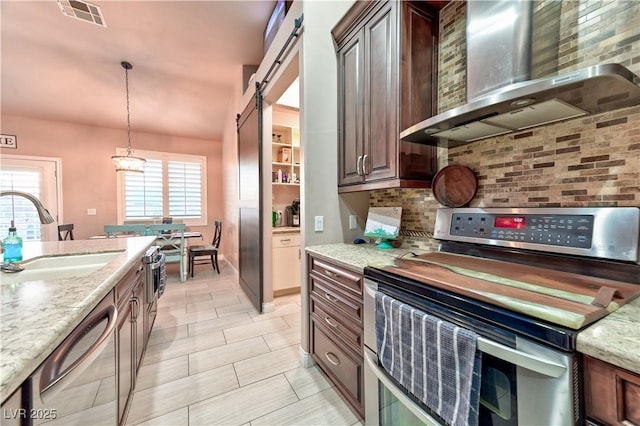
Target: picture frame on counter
(9, 141)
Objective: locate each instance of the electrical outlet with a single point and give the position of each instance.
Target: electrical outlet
(353, 221)
(91, 212)
(319, 222)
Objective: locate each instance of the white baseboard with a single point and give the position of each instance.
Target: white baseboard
(268, 307)
(304, 358)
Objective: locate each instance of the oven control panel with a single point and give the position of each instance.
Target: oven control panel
(560, 230)
(602, 232)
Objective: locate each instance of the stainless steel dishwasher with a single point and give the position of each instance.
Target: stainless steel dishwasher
(76, 384)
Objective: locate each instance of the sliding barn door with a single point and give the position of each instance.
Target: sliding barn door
(250, 176)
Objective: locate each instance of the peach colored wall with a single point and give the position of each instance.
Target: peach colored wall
(88, 176)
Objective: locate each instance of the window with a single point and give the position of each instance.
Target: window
(172, 185)
(36, 176)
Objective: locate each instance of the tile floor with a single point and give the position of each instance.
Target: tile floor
(213, 359)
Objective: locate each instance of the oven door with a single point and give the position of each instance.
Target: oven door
(527, 384)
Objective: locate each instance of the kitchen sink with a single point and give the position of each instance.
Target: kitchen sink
(59, 266)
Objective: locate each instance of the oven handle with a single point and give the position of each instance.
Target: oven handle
(514, 356)
(521, 359)
(372, 365)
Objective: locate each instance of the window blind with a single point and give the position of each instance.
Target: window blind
(19, 209)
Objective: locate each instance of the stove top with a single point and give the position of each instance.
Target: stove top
(542, 273)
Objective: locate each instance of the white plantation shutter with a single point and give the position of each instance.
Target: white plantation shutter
(171, 185)
(18, 208)
(143, 192)
(185, 189)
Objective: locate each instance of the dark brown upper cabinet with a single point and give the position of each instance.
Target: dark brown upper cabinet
(387, 74)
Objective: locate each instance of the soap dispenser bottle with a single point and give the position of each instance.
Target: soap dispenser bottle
(12, 245)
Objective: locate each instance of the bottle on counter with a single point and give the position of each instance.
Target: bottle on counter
(12, 245)
(279, 175)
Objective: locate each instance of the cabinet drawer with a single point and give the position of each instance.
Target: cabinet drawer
(336, 322)
(128, 281)
(335, 299)
(343, 368)
(285, 240)
(342, 278)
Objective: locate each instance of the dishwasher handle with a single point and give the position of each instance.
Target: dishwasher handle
(52, 380)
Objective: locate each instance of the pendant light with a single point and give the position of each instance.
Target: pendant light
(128, 163)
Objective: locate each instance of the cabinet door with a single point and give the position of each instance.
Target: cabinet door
(381, 93)
(350, 110)
(138, 323)
(125, 358)
(286, 262)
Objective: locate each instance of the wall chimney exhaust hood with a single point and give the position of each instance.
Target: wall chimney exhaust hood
(528, 104)
(502, 97)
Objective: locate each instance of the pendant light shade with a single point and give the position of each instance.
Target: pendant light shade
(128, 163)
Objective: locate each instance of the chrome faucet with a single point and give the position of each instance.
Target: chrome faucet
(43, 213)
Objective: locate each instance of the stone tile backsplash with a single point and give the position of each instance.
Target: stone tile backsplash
(583, 162)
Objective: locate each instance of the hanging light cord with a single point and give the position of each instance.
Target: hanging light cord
(127, 66)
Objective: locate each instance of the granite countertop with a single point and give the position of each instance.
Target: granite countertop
(36, 316)
(355, 257)
(614, 339)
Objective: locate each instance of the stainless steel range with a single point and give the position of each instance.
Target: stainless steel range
(524, 282)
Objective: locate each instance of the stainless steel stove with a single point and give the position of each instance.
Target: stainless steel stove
(526, 281)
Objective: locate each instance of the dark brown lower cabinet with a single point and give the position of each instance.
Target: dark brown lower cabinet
(335, 302)
(130, 335)
(612, 394)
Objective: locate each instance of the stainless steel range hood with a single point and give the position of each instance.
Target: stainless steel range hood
(501, 57)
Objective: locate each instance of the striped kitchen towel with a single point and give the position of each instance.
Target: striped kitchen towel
(432, 359)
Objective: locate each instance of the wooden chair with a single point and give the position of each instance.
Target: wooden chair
(65, 232)
(207, 253)
(170, 237)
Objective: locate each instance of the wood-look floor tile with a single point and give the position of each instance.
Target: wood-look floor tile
(294, 320)
(168, 397)
(279, 311)
(242, 307)
(179, 417)
(323, 408)
(227, 354)
(216, 302)
(270, 364)
(176, 348)
(307, 381)
(216, 324)
(282, 338)
(100, 415)
(163, 335)
(242, 332)
(174, 320)
(244, 404)
(154, 374)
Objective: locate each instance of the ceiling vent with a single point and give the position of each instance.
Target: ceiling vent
(82, 10)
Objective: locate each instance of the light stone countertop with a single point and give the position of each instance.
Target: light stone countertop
(36, 316)
(355, 257)
(614, 339)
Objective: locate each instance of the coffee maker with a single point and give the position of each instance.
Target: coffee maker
(293, 213)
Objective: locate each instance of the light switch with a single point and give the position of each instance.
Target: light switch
(353, 221)
(91, 212)
(319, 222)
